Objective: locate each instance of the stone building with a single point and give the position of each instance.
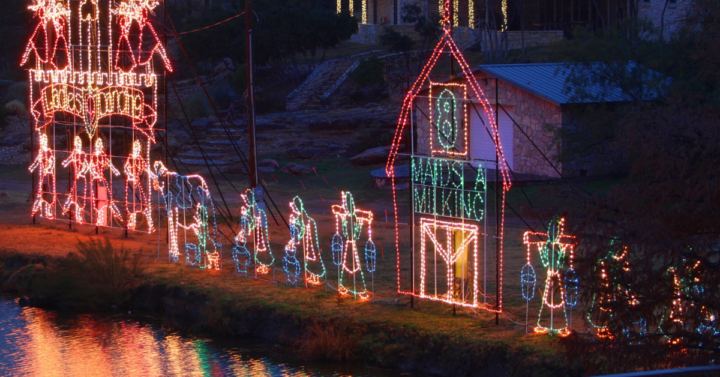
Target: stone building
(535, 101)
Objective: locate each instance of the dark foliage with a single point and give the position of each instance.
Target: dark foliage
(649, 249)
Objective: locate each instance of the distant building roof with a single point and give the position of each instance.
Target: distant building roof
(550, 80)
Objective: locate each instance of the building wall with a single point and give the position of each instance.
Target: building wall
(530, 112)
(537, 118)
(675, 14)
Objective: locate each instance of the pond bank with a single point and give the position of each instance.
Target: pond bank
(317, 324)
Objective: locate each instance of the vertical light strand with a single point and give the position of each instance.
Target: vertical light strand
(471, 14)
(505, 15)
(364, 11)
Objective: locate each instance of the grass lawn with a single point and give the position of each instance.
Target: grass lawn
(318, 191)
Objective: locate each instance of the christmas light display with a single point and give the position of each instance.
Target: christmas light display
(189, 193)
(98, 187)
(609, 269)
(45, 196)
(76, 199)
(257, 228)
(136, 200)
(304, 235)
(449, 185)
(349, 224)
(556, 252)
(92, 77)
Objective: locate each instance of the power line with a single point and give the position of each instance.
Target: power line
(213, 25)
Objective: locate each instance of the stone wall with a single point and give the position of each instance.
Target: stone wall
(534, 115)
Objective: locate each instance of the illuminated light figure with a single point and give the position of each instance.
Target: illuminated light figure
(438, 182)
(100, 190)
(45, 196)
(76, 200)
(349, 223)
(135, 166)
(50, 33)
(189, 193)
(610, 269)
(306, 237)
(688, 290)
(257, 226)
(133, 17)
(555, 252)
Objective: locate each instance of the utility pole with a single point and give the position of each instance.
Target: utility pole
(250, 95)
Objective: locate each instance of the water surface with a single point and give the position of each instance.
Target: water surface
(37, 342)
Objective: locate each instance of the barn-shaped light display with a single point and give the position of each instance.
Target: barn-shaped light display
(458, 177)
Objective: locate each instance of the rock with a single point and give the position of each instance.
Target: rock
(4, 195)
(297, 169)
(24, 301)
(268, 163)
(225, 65)
(372, 156)
(402, 171)
(263, 169)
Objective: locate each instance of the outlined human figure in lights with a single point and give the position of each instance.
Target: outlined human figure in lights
(49, 12)
(45, 196)
(133, 19)
(257, 226)
(76, 200)
(136, 200)
(349, 223)
(100, 190)
(555, 255)
(304, 234)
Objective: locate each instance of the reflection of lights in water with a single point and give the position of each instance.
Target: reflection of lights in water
(35, 342)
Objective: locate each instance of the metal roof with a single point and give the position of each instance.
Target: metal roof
(554, 81)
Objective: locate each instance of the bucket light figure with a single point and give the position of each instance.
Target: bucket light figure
(561, 284)
(254, 223)
(448, 182)
(349, 224)
(303, 235)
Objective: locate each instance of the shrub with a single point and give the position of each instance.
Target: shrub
(15, 107)
(332, 340)
(103, 276)
(394, 41)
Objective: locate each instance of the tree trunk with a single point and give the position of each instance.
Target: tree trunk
(662, 22)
